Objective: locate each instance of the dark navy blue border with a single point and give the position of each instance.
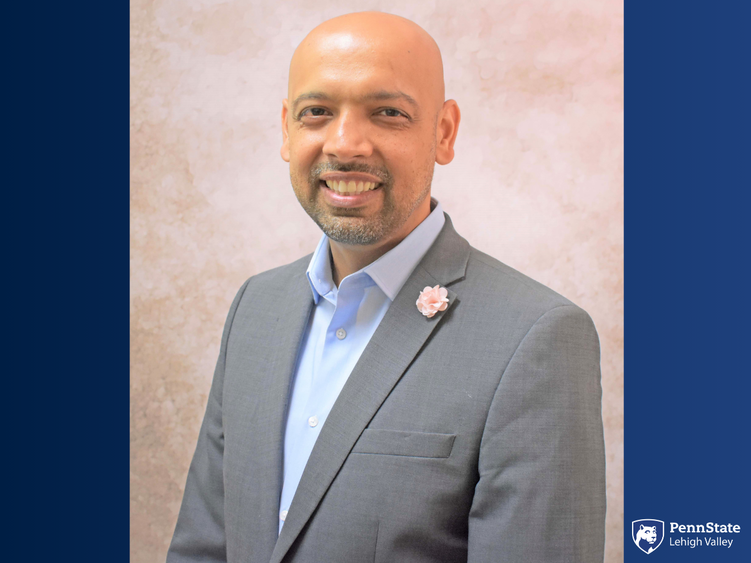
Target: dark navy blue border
(66, 232)
(687, 210)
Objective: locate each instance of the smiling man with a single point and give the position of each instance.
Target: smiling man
(398, 396)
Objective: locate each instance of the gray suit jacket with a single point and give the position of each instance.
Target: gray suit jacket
(475, 435)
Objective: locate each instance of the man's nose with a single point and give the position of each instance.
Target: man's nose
(347, 138)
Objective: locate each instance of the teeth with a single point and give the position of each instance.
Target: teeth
(350, 187)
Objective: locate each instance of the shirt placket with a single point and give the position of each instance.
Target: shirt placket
(329, 373)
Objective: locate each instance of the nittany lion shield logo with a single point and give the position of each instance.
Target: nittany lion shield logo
(648, 534)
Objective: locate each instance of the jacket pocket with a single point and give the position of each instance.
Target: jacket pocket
(396, 442)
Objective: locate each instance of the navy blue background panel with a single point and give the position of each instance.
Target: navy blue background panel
(687, 207)
(66, 310)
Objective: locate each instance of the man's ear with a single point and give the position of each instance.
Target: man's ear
(446, 130)
(285, 133)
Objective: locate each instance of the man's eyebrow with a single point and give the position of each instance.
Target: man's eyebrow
(308, 96)
(380, 95)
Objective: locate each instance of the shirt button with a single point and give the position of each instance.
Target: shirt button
(341, 334)
(313, 421)
(283, 515)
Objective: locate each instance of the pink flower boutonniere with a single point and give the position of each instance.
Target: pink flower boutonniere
(432, 300)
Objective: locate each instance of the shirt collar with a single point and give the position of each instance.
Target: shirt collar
(391, 270)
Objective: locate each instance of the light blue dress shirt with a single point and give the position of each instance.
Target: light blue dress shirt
(341, 325)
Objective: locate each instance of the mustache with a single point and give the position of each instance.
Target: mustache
(379, 171)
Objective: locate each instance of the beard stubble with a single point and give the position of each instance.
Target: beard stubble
(347, 226)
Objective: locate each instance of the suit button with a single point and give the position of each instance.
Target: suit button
(283, 515)
(313, 421)
(341, 334)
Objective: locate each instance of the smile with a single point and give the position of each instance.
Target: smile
(351, 187)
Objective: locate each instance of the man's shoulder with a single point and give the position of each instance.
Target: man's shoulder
(488, 287)
(278, 278)
(494, 298)
(500, 287)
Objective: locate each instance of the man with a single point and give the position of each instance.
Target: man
(399, 395)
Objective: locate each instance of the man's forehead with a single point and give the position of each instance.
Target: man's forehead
(331, 56)
(350, 48)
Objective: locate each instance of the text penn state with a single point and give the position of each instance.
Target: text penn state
(708, 528)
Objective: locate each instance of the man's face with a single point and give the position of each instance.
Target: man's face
(360, 137)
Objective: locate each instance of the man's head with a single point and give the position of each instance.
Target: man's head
(366, 108)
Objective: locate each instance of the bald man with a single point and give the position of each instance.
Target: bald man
(397, 396)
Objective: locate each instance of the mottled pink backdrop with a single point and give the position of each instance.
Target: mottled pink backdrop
(537, 182)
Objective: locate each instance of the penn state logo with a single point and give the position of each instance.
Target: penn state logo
(648, 534)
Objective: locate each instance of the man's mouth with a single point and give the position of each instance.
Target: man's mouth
(343, 187)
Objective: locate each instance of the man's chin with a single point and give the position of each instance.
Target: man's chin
(356, 231)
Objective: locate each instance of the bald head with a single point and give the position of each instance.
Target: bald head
(353, 43)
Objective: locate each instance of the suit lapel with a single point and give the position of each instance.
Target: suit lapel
(398, 339)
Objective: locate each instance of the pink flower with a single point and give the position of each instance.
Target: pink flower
(432, 300)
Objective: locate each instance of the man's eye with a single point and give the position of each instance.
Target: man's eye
(391, 112)
(315, 112)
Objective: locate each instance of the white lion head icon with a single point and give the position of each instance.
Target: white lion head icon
(648, 533)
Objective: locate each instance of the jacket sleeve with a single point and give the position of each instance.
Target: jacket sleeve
(199, 533)
(541, 490)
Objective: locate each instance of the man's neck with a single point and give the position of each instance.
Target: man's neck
(347, 259)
